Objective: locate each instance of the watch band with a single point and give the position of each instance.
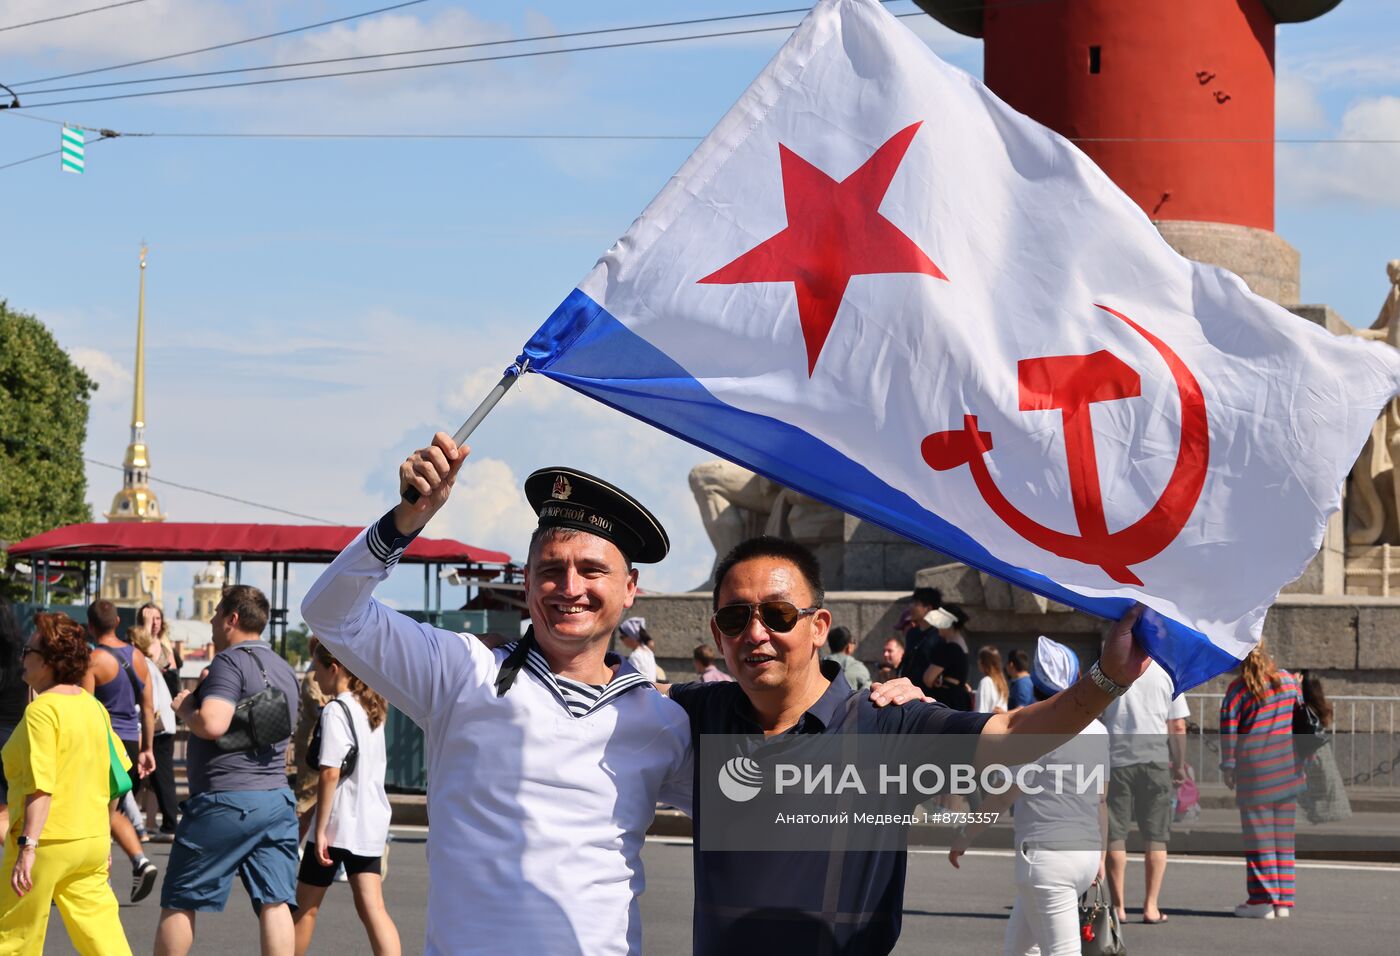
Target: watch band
(25, 843)
(1104, 683)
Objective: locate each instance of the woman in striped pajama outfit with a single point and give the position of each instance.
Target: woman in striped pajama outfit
(1258, 762)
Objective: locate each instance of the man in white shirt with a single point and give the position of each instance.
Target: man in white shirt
(1147, 728)
(546, 757)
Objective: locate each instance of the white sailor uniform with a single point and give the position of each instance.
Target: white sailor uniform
(537, 815)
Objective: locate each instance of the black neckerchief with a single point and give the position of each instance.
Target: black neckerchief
(510, 667)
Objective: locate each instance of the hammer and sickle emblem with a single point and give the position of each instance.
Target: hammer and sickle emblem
(1071, 384)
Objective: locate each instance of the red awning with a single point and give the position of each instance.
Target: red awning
(175, 541)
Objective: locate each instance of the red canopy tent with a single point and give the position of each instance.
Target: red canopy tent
(280, 545)
(176, 541)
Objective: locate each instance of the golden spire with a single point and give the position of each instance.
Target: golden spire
(136, 501)
(138, 405)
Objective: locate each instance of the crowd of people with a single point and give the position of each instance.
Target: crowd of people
(1144, 741)
(286, 776)
(87, 716)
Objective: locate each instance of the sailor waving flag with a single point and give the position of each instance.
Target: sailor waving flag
(877, 284)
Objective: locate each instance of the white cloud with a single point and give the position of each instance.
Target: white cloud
(153, 28)
(489, 510)
(1362, 172)
(437, 98)
(113, 379)
(1346, 67)
(1297, 107)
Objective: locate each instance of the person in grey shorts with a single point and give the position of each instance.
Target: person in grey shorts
(1147, 757)
(241, 816)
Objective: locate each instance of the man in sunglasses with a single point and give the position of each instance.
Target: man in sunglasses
(770, 625)
(549, 754)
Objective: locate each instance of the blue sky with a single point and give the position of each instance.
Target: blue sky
(316, 308)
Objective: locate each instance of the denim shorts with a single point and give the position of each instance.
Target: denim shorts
(252, 833)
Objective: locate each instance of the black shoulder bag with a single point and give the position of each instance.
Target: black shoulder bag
(260, 720)
(352, 756)
(1309, 736)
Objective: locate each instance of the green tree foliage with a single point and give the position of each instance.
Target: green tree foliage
(298, 644)
(43, 425)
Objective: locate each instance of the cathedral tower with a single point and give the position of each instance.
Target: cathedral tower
(133, 584)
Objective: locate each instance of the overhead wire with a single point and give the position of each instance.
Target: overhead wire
(69, 16)
(437, 63)
(170, 77)
(106, 133)
(220, 46)
(216, 494)
(63, 453)
(103, 134)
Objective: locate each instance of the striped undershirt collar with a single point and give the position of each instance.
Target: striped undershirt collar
(578, 698)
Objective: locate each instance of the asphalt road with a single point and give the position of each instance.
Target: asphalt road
(1342, 908)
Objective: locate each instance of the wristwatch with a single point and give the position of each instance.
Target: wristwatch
(1104, 683)
(25, 843)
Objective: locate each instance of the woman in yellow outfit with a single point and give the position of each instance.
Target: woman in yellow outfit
(58, 763)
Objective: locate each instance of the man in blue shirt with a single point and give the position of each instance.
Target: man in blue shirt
(1019, 690)
(770, 625)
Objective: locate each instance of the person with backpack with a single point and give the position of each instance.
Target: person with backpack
(240, 816)
(352, 809)
(120, 680)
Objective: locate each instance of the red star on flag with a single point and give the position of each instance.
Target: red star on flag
(834, 231)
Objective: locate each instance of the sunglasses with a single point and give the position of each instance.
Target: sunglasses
(778, 616)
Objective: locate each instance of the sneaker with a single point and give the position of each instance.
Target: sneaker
(1282, 912)
(143, 880)
(163, 836)
(340, 876)
(1255, 911)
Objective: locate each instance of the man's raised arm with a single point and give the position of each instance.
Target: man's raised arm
(1036, 729)
(411, 664)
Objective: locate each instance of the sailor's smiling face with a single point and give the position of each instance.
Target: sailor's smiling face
(577, 585)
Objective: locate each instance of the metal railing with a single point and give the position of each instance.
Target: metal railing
(1365, 732)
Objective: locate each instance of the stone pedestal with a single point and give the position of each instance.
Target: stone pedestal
(873, 559)
(1267, 264)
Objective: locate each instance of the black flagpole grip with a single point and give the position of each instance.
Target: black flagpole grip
(489, 402)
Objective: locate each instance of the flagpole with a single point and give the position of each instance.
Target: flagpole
(476, 418)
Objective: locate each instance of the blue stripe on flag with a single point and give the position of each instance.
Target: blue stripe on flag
(583, 346)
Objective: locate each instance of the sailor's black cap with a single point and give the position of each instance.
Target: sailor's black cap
(569, 498)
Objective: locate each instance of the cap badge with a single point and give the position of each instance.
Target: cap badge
(562, 488)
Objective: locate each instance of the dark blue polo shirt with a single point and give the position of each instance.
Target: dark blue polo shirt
(819, 900)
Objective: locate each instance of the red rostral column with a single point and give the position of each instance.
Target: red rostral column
(1174, 99)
